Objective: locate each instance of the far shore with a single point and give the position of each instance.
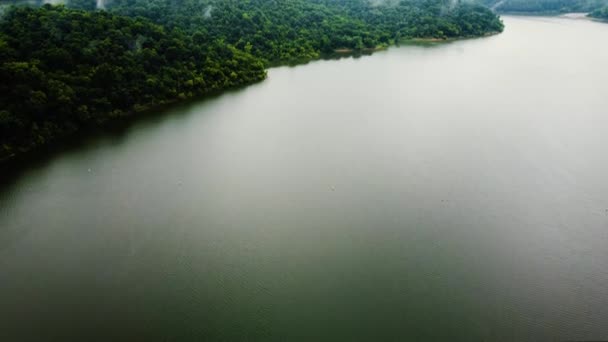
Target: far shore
(570, 15)
(582, 16)
(445, 40)
(413, 40)
(576, 15)
(350, 51)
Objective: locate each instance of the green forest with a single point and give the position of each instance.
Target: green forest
(545, 6)
(65, 68)
(601, 13)
(295, 30)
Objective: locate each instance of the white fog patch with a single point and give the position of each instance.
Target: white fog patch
(138, 43)
(207, 14)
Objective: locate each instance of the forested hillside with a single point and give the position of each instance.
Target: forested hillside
(545, 6)
(287, 30)
(65, 68)
(601, 13)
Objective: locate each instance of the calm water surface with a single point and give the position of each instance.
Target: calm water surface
(450, 192)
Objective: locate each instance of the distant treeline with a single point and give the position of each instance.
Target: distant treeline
(545, 6)
(601, 13)
(66, 68)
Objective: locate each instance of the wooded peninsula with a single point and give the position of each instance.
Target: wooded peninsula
(69, 67)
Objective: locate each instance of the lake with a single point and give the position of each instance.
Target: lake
(453, 191)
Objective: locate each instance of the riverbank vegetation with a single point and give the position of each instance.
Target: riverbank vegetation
(601, 13)
(67, 68)
(295, 30)
(545, 7)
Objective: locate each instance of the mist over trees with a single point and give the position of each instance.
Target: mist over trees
(63, 69)
(87, 62)
(280, 31)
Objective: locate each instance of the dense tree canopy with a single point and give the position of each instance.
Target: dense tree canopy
(64, 68)
(545, 6)
(284, 30)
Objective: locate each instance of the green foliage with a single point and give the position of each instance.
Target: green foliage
(281, 31)
(545, 6)
(64, 69)
(601, 13)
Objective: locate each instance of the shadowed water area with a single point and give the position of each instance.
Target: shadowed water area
(447, 192)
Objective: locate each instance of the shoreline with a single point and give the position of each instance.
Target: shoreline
(19, 153)
(446, 40)
(567, 15)
(597, 20)
(22, 153)
(346, 51)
